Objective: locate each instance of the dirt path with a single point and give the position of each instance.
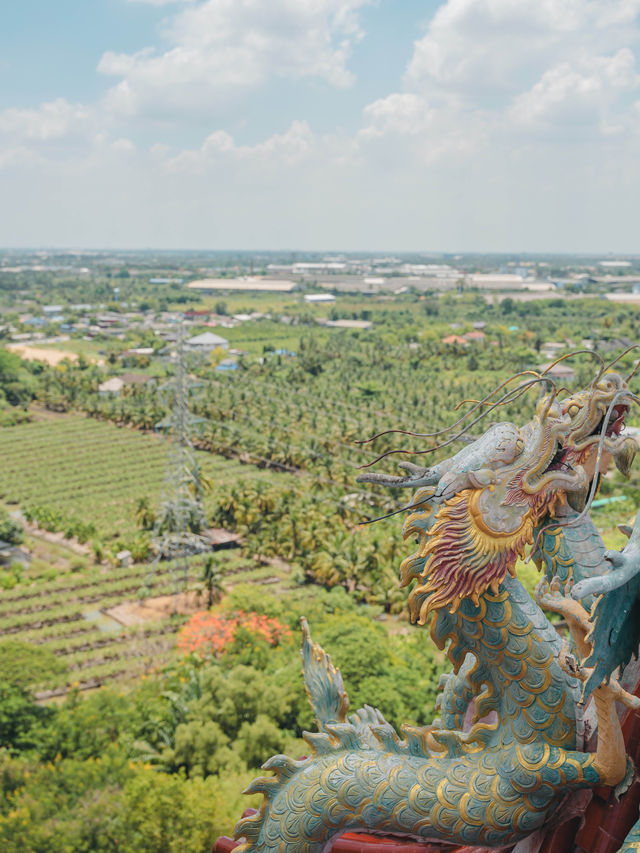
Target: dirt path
(56, 539)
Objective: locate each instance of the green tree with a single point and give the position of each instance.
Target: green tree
(211, 579)
(20, 718)
(10, 530)
(24, 665)
(17, 384)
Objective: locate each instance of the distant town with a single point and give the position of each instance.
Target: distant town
(176, 287)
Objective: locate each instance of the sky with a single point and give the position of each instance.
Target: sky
(330, 125)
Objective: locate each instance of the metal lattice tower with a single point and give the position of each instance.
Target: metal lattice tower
(180, 517)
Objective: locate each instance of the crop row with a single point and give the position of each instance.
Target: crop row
(92, 643)
(70, 612)
(98, 591)
(86, 580)
(83, 661)
(95, 676)
(89, 472)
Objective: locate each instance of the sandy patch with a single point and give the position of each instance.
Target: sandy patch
(49, 356)
(154, 609)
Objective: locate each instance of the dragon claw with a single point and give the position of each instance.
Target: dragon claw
(569, 664)
(616, 558)
(552, 596)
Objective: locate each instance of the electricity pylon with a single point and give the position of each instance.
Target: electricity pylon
(180, 519)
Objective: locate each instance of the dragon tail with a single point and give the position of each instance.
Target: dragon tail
(358, 772)
(323, 682)
(358, 775)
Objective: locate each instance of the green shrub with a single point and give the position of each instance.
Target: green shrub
(10, 530)
(25, 665)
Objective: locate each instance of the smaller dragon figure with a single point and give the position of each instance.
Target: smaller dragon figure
(472, 518)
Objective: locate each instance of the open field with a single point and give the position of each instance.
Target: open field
(253, 338)
(246, 303)
(91, 350)
(88, 470)
(49, 354)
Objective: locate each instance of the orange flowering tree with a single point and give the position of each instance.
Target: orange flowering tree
(209, 634)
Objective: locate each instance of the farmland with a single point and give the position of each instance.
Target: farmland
(92, 471)
(60, 606)
(277, 442)
(160, 726)
(84, 476)
(77, 469)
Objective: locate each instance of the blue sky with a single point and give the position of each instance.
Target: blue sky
(49, 49)
(321, 124)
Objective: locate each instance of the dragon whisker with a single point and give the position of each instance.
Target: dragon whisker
(485, 401)
(571, 354)
(449, 441)
(615, 361)
(633, 372)
(396, 511)
(459, 421)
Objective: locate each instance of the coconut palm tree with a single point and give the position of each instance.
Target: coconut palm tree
(211, 579)
(145, 516)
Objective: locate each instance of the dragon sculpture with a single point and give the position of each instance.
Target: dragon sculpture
(499, 779)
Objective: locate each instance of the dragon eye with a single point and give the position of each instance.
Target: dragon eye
(573, 409)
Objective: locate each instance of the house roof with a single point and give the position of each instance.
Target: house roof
(135, 378)
(112, 385)
(454, 339)
(350, 324)
(561, 370)
(207, 339)
(244, 284)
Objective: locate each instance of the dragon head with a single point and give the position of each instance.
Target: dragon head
(587, 410)
(470, 539)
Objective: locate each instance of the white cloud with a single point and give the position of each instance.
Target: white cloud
(487, 72)
(583, 92)
(399, 113)
(496, 48)
(16, 157)
(474, 152)
(222, 48)
(220, 148)
(126, 146)
(52, 120)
